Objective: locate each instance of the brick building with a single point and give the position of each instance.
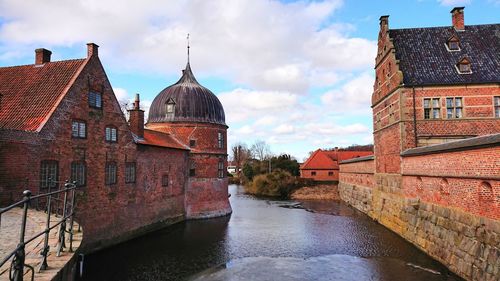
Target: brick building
(323, 165)
(435, 175)
(434, 85)
(61, 121)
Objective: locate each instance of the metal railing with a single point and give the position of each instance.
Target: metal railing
(16, 271)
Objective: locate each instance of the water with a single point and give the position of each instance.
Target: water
(269, 240)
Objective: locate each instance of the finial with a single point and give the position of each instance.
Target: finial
(188, 46)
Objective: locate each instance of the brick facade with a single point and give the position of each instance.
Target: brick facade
(162, 191)
(444, 198)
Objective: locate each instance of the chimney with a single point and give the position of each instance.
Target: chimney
(457, 18)
(92, 50)
(384, 23)
(136, 118)
(42, 56)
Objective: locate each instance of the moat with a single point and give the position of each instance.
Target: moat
(269, 240)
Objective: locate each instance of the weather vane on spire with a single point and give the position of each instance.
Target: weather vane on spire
(188, 46)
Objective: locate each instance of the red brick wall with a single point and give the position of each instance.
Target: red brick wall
(358, 173)
(321, 175)
(468, 180)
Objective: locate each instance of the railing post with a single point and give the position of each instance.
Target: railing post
(46, 247)
(19, 257)
(62, 229)
(72, 218)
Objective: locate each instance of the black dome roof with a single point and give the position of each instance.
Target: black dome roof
(192, 103)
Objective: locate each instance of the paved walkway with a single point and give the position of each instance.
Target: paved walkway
(9, 238)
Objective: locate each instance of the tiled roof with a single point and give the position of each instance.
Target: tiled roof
(329, 159)
(425, 60)
(359, 159)
(160, 139)
(470, 143)
(30, 93)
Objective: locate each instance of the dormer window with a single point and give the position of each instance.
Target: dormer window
(453, 43)
(463, 66)
(170, 107)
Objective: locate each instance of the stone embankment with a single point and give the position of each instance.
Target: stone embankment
(318, 192)
(445, 202)
(60, 268)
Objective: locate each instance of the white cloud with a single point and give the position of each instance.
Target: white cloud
(353, 96)
(454, 2)
(126, 101)
(261, 44)
(284, 129)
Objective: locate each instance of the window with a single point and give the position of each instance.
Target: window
(164, 180)
(496, 104)
(464, 66)
(313, 173)
(192, 170)
(79, 129)
(79, 173)
(453, 43)
(110, 173)
(129, 172)
(192, 143)
(432, 109)
(49, 172)
(221, 168)
(111, 134)
(220, 138)
(453, 108)
(330, 174)
(170, 107)
(95, 99)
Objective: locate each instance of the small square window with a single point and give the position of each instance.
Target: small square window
(111, 134)
(313, 173)
(95, 99)
(330, 174)
(192, 143)
(78, 129)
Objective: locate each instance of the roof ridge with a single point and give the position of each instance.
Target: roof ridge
(444, 26)
(58, 61)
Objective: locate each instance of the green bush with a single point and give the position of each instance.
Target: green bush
(279, 183)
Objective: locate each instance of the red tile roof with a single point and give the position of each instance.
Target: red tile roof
(323, 160)
(160, 139)
(30, 93)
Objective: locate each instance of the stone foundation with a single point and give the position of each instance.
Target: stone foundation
(467, 244)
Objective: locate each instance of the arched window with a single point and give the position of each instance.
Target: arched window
(486, 192)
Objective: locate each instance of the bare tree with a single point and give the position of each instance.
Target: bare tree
(241, 153)
(261, 150)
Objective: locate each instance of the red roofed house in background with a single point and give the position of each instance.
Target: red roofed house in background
(323, 165)
(61, 121)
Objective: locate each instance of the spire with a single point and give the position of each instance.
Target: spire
(188, 46)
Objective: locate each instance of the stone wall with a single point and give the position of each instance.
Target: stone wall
(444, 202)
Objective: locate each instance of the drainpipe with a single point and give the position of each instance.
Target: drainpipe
(415, 118)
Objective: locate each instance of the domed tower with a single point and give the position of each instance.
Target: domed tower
(195, 116)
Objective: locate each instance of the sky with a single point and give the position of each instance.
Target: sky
(295, 74)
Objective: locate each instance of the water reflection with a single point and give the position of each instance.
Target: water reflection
(262, 240)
